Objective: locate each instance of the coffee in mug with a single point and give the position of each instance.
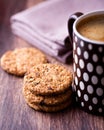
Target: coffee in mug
(92, 27)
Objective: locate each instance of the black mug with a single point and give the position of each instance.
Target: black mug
(88, 65)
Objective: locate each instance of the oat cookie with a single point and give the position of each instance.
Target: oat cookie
(49, 108)
(46, 100)
(48, 79)
(19, 61)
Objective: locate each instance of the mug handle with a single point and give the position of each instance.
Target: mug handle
(71, 21)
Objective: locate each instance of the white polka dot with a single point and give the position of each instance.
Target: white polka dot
(99, 69)
(76, 39)
(90, 47)
(100, 110)
(78, 51)
(78, 72)
(74, 88)
(79, 93)
(103, 102)
(102, 81)
(82, 86)
(74, 67)
(76, 80)
(94, 100)
(86, 97)
(100, 49)
(90, 67)
(90, 108)
(86, 55)
(99, 91)
(82, 43)
(94, 80)
(76, 59)
(85, 77)
(90, 89)
(95, 58)
(81, 63)
(74, 46)
(82, 104)
(72, 83)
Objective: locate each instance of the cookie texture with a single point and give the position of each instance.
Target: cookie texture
(19, 61)
(48, 79)
(49, 108)
(46, 100)
(47, 87)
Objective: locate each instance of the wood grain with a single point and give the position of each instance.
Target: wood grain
(14, 112)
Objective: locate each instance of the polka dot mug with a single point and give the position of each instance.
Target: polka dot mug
(88, 66)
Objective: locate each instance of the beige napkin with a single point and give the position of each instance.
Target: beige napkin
(45, 25)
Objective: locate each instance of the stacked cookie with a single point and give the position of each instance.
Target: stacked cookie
(47, 87)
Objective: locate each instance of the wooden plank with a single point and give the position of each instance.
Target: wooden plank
(14, 112)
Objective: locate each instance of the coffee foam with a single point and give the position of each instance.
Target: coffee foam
(92, 27)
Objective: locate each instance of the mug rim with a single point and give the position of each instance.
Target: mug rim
(81, 18)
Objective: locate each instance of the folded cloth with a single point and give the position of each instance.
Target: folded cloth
(45, 25)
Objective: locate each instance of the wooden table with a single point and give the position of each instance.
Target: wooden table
(14, 112)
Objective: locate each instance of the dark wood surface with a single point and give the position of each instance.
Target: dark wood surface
(14, 112)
